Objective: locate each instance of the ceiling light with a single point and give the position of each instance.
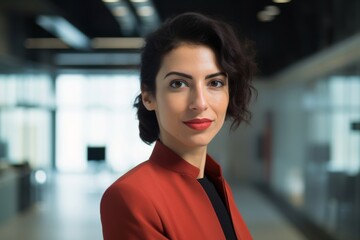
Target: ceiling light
(281, 1)
(64, 30)
(45, 43)
(264, 16)
(145, 11)
(118, 43)
(272, 10)
(138, 1)
(120, 11)
(124, 16)
(111, 1)
(97, 59)
(147, 16)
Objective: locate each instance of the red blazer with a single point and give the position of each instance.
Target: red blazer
(162, 199)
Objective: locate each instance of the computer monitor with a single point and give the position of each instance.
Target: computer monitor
(96, 153)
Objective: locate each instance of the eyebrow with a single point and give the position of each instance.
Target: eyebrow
(190, 77)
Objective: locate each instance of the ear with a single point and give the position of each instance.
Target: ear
(148, 100)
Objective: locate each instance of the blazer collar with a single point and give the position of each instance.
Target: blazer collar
(168, 159)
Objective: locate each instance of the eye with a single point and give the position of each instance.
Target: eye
(178, 84)
(216, 83)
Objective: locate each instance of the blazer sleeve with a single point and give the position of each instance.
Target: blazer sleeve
(127, 213)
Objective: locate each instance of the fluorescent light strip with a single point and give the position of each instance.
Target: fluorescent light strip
(120, 11)
(145, 11)
(124, 16)
(117, 43)
(138, 1)
(97, 59)
(281, 1)
(45, 43)
(64, 30)
(111, 1)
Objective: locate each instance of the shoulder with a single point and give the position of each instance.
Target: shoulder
(131, 182)
(127, 208)
(130, 195)
(124, 199)
(134, 186)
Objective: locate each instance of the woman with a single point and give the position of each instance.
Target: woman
(194, 75)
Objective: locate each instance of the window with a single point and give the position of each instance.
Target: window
(96, 110)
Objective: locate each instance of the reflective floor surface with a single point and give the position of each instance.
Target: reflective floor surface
(69, 209)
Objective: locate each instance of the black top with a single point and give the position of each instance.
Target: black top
(219, 207)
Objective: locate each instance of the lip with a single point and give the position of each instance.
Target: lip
(198, 123)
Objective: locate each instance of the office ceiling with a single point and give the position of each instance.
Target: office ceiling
(292, 35)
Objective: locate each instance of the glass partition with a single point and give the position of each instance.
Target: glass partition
(317, 147)
(26, 102)
(96, 110)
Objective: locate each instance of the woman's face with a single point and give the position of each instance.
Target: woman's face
(191, 99)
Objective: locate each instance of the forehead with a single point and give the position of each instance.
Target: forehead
(189, 56)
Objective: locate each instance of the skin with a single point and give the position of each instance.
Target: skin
(189, 85)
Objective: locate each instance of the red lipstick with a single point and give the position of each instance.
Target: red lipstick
(199, 123)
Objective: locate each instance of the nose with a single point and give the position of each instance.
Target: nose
(198, 100)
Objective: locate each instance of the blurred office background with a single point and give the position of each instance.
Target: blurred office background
(68, 77)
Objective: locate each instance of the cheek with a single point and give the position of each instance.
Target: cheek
(221, 102)
(168, 107)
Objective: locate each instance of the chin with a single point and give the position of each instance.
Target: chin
(199, 141)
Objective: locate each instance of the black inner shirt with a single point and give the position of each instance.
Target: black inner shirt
(219, 207)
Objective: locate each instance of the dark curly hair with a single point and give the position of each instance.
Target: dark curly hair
(195, 28)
